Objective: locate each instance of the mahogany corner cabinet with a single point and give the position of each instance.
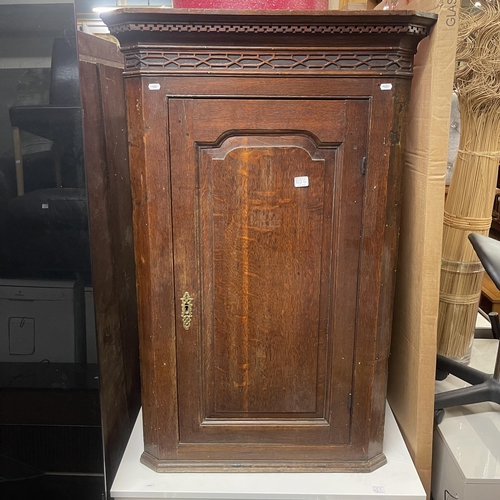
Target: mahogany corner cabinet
(266, 153)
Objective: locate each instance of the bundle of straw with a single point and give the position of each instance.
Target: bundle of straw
(471, 194)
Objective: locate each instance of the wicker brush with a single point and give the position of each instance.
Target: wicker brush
(468, 207)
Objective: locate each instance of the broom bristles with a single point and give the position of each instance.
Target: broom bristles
(471, 193)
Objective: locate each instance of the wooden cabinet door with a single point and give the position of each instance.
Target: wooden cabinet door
(267, 201)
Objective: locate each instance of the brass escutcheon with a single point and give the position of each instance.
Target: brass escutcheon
(186, 310)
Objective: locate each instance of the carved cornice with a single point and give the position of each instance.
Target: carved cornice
(170, 41)
(216, 61)
(178, 21)
(328, 29)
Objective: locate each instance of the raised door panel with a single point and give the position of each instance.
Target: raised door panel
(266, 350)
(267, 203)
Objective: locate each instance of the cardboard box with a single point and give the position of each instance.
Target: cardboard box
(413, 351)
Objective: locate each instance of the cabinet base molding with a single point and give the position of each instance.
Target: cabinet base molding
(261, 465)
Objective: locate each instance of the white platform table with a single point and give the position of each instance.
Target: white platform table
(398, 480)
(466, 454)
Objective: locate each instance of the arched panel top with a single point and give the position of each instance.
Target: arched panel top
(239, 140)
(322, 120)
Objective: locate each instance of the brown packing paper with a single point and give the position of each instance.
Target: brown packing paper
(413, 350)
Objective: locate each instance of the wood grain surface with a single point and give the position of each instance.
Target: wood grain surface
(112, 242)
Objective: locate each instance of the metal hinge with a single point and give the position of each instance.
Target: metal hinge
(349, 401)
(363, 166)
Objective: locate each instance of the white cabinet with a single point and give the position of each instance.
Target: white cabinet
(466, 454)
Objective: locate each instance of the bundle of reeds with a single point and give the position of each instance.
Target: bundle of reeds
(468, 207)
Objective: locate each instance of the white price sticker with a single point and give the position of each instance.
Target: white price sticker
(154, 86)
(301, 182)
(386, 86)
